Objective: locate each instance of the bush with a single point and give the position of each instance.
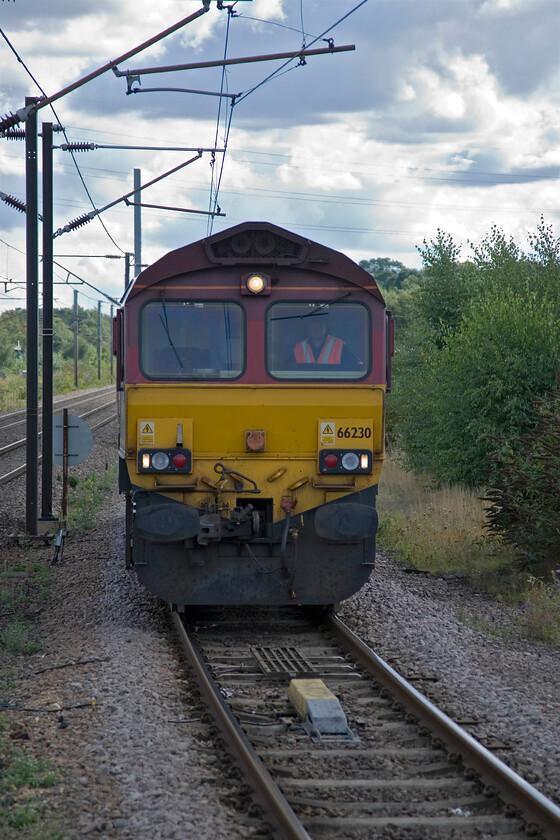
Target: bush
(485, 337)
(523, 489)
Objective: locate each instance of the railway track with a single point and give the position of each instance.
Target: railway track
(87, 405)
(397, 767)
(16, 417)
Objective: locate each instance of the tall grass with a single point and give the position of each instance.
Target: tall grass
(13, 386)
(87, 496)
(439, 530)
(442, 531)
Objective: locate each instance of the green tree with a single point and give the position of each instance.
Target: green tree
(398, 285)
(446, 290)
(485, 338)
(12, 335)
(389, 273)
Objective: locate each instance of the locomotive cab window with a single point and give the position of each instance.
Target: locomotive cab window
(316, 340)
(192, 340)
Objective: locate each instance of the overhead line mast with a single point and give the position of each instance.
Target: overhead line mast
(28, 115)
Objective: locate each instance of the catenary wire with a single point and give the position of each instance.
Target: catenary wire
(279, 70)
(65, 137)
(213, 198)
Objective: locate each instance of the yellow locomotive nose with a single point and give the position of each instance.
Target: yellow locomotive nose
(252, 375)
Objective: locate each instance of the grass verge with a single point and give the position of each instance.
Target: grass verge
(13, 385)
(442, 531)
(86, 497)
(23, 586)
(22, 777)
(25, 582)
(25, 813)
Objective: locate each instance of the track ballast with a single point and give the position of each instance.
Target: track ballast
(390, 776)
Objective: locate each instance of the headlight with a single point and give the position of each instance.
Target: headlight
(350, 461)
(256, 283)
(160, 461)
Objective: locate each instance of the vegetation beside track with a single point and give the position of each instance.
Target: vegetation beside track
(445, 531)
(476, 407)
(13, 385)
(21, 781)
(475, 399)
(13, 353)
(24, 589)
(25, 582)
(25, 578)
(86, 497)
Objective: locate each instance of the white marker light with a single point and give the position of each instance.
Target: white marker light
(146, 461)
(256, 284)
(350, 461)
(160, 460)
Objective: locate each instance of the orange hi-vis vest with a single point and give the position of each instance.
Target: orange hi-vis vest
(330, 354)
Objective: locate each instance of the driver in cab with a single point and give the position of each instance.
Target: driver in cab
(320, 348)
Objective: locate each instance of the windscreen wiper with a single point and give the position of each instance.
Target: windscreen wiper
(314, 311)
(166, 328)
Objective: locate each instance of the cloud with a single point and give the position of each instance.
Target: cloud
(443, 116)
(312, 144)
(493, 8)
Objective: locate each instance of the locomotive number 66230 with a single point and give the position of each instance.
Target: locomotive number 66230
(252, 372)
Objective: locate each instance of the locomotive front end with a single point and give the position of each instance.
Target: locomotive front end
(253, 379)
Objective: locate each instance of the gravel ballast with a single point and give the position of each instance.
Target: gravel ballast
(123, 723)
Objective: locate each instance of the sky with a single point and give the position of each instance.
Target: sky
(444, 116)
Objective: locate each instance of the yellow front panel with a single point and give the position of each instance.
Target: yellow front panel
(215, 422)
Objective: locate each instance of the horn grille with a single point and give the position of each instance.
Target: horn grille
(250, 245)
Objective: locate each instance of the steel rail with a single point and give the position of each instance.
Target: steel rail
(5, 479)
(510, 786)
(19, 443)
(60, 399)
(267, 792)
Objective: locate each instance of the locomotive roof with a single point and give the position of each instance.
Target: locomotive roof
(250, 243)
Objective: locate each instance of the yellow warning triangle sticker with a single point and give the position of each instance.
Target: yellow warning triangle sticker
(327, 430)
(147, 430)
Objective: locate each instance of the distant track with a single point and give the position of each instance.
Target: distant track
(8, 452)
(17, 417)
(18, 444)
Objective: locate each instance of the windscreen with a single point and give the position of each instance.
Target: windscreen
(318, 340)
(192, 340)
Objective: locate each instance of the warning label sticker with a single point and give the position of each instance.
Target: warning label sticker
(147, 432)
(327, 433)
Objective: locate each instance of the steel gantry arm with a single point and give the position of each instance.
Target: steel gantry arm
(200, 65)
(23, 113)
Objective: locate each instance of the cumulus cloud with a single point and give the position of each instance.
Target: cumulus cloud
(443, 116)
(498, 7)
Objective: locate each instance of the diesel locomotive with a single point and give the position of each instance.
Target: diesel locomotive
(252, 368)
